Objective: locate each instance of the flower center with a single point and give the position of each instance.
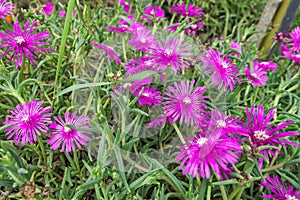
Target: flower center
(261, 135)
(254, 75)
(148, 63)
(152, 12)
(221, 123)
(143, 40)
(224, 65)
(289, 197)
(201, 141)
(194, 26)
(264, 63)
(187, 100)
(25, 118)
(19, 40)
(146, 94)
(67, 129)
(297, 55)
(168, 52)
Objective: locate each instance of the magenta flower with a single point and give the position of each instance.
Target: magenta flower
(149, 96)
(294, 41)
(26, 43)
(202, 154)
(138, 65)
(62, 13)
(190, 11)
(268, 65)
(289, 53)
(173, 52)
(48, 8)
(153, 13)
(123, 25)
(237, 47)
(109, 51)
(184, 102)
(28, 120)
(6, 8)
(257, 75)
(66, 137)
(222, 69)
(125, 4)
(194, 28)
(279, 190)
(261, 133)
(142, 39)
(136, 26)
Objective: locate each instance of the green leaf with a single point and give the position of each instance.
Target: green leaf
(227, 182)
(138, 77)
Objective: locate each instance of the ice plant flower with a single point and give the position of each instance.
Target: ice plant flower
(222, 69)
(262, 133)
(237, 47)
(123, 25)
(291, 48)
(149, 96)
(62, 13)
(6, 8)
(26, 43)
(109, 51)
(257, 75)
(294, 41)
(279, 190)
(151, 13)
(142, 39)
(66, 137)
(171, 51)
(184, 102)
(28, 120)
(190, 11)
(125, 4)
(207, 152)
(48, 8)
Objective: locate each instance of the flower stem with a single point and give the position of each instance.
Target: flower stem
(71, 5)
(179, 133)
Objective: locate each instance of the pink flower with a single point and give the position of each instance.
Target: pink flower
(123, 25)
(262, 133)
(28, 120)
(257, 75)
(237, 47)
(48, 8)
(153, 13)
(138, 65)
(279, 190)
(109, 51)
(184, 102)
(149, 96)
(62, 13)
(208, 151)
(6, 8)
(173, 52)
(125, 4)
(222, 69)
(66, 137)
(190, 11)
(294, 40)
(142, 39)
(25, 42)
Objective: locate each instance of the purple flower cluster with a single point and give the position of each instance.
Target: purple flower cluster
(29, 120)
(291, 45)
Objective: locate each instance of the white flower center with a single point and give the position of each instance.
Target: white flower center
(224, 65)
(187, 100)
(146, 94)
(297, 55)
(19, 40)
(201, 141)
(264, 63)
(254, 75)
(143, 40)
(25, 118)
(289, 197)
(148, 63)
(194, 26)
(168, 52)
(126, 4)
(127, 85)
(261, 135)
(67, 129)
(152, 12)
(221, 123)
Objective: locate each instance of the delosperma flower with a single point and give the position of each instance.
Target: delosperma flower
(279, 190)
(109, 51)
(142, 39)
(291, 48)
(262, 133)
(153, 13)
(66, 137)
(24, 43)
(206, 152)
(257, 75)
(184, 102)
(6, 8)
(171, 52)
(28, 121)
(48, 8)
(222, 69)
(190, 11)
(125, 4)
(149, 96)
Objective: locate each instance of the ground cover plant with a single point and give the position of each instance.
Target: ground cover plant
(146, 100)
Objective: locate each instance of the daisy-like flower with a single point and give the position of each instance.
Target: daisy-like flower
(28, 120)
(149, 96)
(123, 25)
(109, 51)
(194, 28)
(262, 133)
(222, 69)
(48, 8)
(190, 11)
(268, 65)
(184, 102)
(289, 53)
(142, 39)
(173, 52)
(62, 13)
(257, 75)
(279, 190)
(207, 152)
(138, 65)
(294, 41)
(125, 4)
(236, 46)
(153, 13)
(66, 137)
(6, 8)
(26, 43)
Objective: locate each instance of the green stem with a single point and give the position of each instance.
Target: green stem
(179, 133)
(76, 161)
(41, 144)
(124, 48)
(71, 5)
